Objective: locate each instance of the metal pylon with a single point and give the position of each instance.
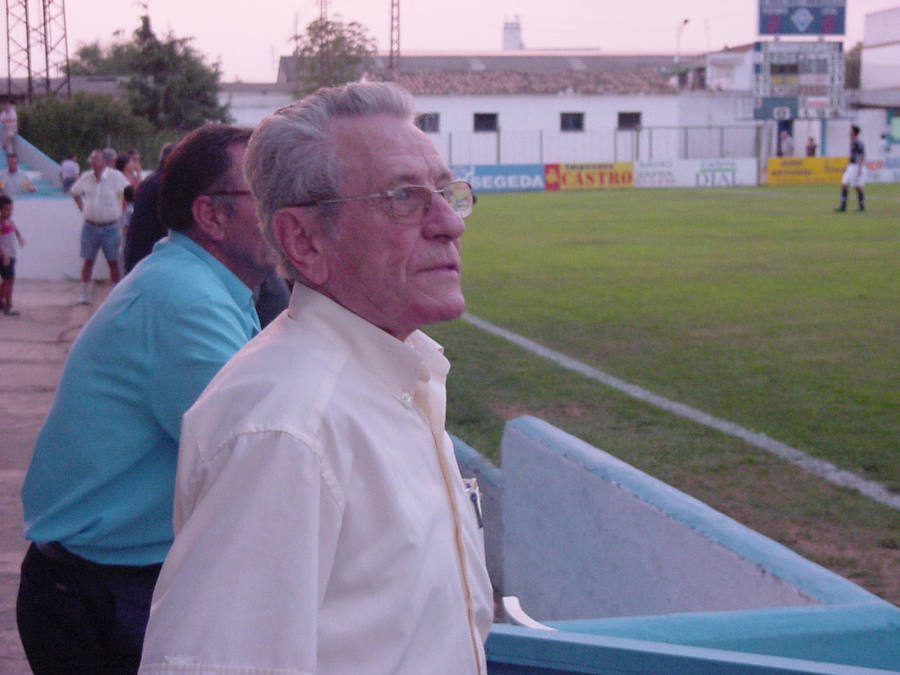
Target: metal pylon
(56, 47)
(394, 62)
(36, 48)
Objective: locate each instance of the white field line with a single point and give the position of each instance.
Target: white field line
(819, 467)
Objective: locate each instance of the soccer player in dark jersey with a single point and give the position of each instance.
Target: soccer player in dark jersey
(855, 173)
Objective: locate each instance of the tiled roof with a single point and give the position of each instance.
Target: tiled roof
(524, 72)
(647, 81)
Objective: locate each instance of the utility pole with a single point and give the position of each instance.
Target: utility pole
(323, 51)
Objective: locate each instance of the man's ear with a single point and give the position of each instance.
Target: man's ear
(206, 218)
(302, 242)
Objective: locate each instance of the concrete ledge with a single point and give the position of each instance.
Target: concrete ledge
(523, 651)
(861, 635)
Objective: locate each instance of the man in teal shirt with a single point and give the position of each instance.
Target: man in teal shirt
(98, 493)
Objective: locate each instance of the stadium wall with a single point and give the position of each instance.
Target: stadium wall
(609, 175)
(632, 572)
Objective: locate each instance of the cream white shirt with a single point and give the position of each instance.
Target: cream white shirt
(321, 522)
(102, 198)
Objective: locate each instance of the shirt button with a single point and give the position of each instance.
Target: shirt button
(406, 398)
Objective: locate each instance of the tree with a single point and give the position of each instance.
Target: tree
(92, 59)
(61, 126)
(168, 82)
(853, 67)
(331, 53)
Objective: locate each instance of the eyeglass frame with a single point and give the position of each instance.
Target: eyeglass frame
(389, 195)
(230, 193)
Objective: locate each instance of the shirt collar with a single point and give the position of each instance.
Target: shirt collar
(237, 289)
(399, 364)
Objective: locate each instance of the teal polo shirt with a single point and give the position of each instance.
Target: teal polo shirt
(101, 479)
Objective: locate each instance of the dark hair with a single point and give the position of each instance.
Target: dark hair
(128, 193)
(855, 130)
(4, 200)
(164, 153)
(121, 162)
(197, 165)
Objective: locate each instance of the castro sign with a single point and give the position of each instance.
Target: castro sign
(589, 176)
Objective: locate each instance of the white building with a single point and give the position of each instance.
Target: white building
(548, 106)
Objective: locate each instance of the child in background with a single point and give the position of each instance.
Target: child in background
(10, 240)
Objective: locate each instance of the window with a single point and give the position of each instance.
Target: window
(485, 122)
(430, 123)
(629, 120)
(571, 121)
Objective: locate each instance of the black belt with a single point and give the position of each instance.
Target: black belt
(53, 550)
(91, 222)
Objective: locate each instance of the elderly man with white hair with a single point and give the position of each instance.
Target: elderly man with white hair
(322, 523)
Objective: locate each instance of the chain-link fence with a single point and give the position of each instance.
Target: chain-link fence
(615, 145)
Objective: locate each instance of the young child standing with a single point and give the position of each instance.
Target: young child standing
(10, 240)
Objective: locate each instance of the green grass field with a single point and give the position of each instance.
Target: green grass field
(757, 305)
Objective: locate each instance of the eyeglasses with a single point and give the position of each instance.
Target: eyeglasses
(229, 192)
(410, 203)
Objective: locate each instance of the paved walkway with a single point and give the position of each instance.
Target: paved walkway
(33, 347)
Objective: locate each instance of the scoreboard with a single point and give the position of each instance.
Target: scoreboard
(798, 80)
(802, 17)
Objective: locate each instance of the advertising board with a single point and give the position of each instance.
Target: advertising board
(885, 170)
(695, 173)
(805, 170)
(502, 177)
(599, 176)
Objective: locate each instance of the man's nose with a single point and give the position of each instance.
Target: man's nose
(442, 220)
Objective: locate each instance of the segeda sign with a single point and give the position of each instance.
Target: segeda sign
(502, 177)
(802, 17)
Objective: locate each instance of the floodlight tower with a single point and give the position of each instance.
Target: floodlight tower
(36, 50)
(684, 22)
(394, 61)
(18, 46)
(56, 46)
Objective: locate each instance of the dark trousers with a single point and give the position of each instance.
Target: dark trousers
(76, 616)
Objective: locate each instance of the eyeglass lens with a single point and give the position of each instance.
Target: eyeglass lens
(413, 202)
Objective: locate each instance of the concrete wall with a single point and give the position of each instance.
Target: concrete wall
(249, 106)
(581, 534)
(530, 127)
(490, 483)
(881, 50)
(36, 160)
(572, 531)
(51, 226)
(575, 519)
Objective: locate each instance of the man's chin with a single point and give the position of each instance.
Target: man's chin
(448, 311)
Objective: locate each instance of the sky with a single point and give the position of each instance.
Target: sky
(247, 38)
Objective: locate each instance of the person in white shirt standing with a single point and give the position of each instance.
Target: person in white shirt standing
(99, 195)
(9, 124)
(68, 172)
(321, 522)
